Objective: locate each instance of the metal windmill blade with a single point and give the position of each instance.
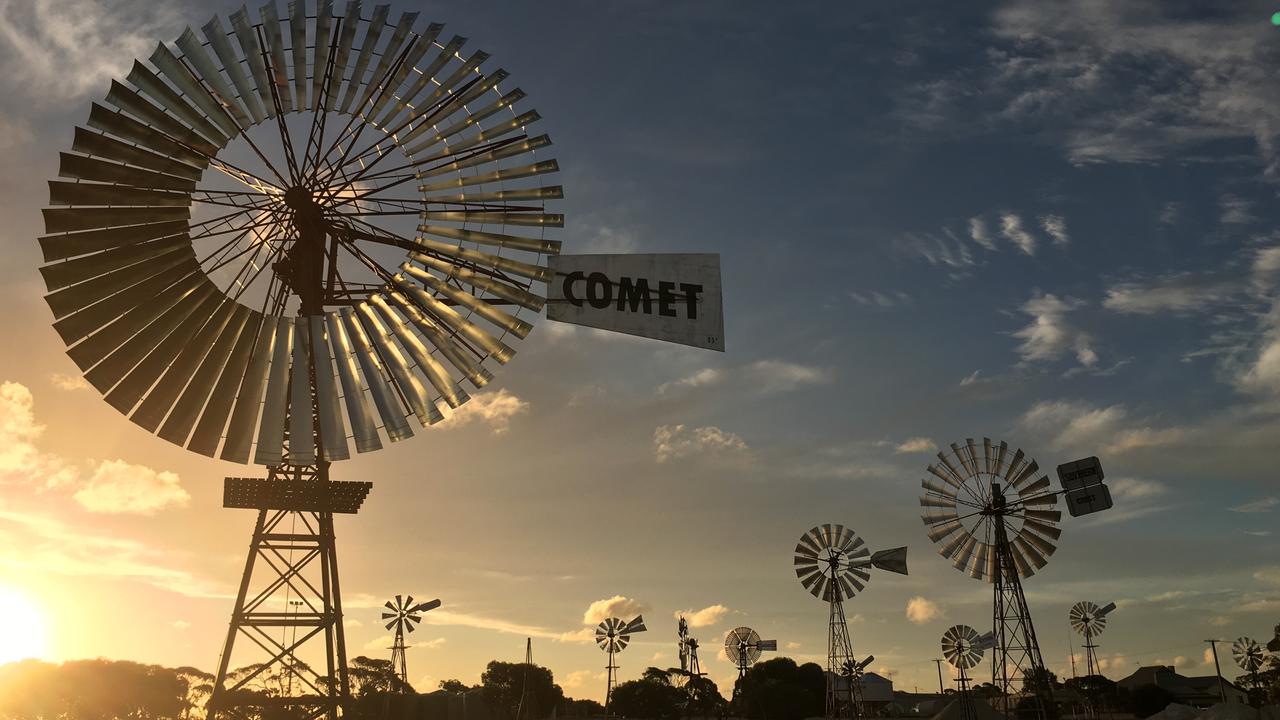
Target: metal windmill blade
(225, 299)
(1088, 619)
(742, 646)
(962, 646)
(1247, 653)
(832, 562)
(612, 635)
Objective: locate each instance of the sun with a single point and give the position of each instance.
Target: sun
(21, 627)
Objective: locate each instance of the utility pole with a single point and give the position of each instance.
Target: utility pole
(1222, 690)
(938, 662)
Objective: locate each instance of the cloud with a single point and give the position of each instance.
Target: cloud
(672, 442)
(1056, 227)
(877, 299)
(431, 644)
(1082, 427)
(1235, 210)
(1170, 213)
(21, 462)
(701, 378)
(706, 617)
(1012, 230)
(1050, 335)
(971, 378)
(1268, 575)
(49, 38)
(617, 606)
(118, 487)
(1261, 505)
(915, 445)
(580, 678)
(792, 645)
(180, 624)
(495, 409)
(1177, 293)
(921, 610)
(762, 377)
(68, 382)
(946, 250)
(980, 233)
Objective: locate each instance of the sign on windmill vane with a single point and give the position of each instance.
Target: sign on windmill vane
(671, 297)
(1080, 474)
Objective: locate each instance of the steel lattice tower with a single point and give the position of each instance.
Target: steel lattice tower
(1017, 652)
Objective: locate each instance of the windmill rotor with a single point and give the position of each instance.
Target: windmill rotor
(833, 563)
(962, 646)
(376, 224)
(742, 646)
(613, 634)
(1247, 653)
(971, 489)
(1088, 619)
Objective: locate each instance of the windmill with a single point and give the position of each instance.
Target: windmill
(832, 563)
(1248, 655)
(1090, 620)
(688, 648)
(743, 647)
(852, 672)
(991, 514)
(962, 646)
(528, 705)
(612, 635)
(403, 617)
(232, 266)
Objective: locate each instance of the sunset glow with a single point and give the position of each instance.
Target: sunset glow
(22, 626)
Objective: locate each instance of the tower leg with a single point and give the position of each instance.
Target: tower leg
(840, 703)
(1017, 653)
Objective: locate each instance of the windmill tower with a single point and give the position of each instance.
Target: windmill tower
(1090, 620)
(743, 647)
(688, 647)
(528, 705)
(221, 263)
(962, 646)
(403, 617)
(832, 563)
(1248, 655)
(991, 514)
(612, 636)
(852, 673)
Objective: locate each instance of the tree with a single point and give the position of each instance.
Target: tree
(91, 690)
(502, 684)
(582, 708)
(1100, 691)
(455, 686)
(1147, 700)
(703, 698)
(649, 697)
(199, 687)
(778, 689)
(374, 676)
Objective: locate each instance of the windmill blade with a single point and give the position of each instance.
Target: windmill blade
(635, 626)
(892, 560)
(983, 563)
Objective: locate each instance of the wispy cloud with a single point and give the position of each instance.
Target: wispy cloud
(1050, 335)
(762, 377)
(672, 442)
(1261, 505)
(1079, 426)
(119, 487)
(921, 610)
(1012, 230)
(1235, 210)
(618, 606)
(915, 445)
(1056, 227)
(706, 617)
(980, 233)
(68, 382)
(494, 409)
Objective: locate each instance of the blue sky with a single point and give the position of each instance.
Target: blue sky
(1043, 222)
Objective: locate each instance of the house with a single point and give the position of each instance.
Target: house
(1199, 691)
(877, 691)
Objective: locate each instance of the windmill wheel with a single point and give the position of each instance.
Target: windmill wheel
(1088, 619)
(742, 646)
(1247, 653)
(402, 613)
(354, 225)
(972, 489)
(832, 551)
(962, 646)
(613, 634)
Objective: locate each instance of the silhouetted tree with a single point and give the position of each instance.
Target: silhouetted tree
(90, 690)
(703, 698)
(453, 686)
(199, 688)
(649, 697)
(778, 689)
(582, 708)
(503, 682)
(373, 676)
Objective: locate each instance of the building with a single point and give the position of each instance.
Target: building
(1200, 691)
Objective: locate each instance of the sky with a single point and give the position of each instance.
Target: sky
(1038, 221)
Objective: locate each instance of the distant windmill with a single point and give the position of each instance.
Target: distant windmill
(1248, 655)
(832, 563)
(962, 646)
(689, 666)
(403, 616)
(612, 636)
(528, 706)
(852, 672)
(743, 647)
(1090, 620)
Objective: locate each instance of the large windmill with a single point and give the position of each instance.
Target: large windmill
(402, 617)
(613, 635)
(1090, 620)
(743, 647)
(833, 564)
(280, 238)
(962, 646)
(991, 513)
(688, 650)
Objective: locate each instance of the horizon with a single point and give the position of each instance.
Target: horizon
(1031, 221)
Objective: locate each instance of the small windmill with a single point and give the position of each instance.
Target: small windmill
(832, 563)
(1090, 620)
(962, 646)
(403, 616)
(1248, 655)
(612, 636)
(852, 673)
(743, 647)
(689, 666)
